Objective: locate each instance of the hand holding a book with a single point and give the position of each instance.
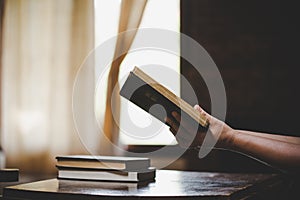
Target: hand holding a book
(279, 151)
(188, 136)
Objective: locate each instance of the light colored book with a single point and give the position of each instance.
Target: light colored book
(103, 162)
(107, 175)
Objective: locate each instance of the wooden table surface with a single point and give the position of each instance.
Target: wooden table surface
(169, 184)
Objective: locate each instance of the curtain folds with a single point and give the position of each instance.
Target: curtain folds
(130, 18)
(2, 155)
(44, 44)
(1, 30)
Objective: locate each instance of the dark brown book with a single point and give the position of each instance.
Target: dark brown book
(145, 92)
(9, 175)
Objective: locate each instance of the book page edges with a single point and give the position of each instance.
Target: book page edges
(130, 165)
(91, 165)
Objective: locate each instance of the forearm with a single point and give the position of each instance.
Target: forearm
(277, 153)
(283, 138)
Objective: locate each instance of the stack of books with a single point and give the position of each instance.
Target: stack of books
(105, 168)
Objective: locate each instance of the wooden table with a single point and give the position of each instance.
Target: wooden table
(169, 184)
(25, 178)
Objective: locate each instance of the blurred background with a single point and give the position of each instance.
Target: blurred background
(255, 45)
(44, 42)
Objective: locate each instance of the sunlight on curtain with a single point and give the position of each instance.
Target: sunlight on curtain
(160, 15)
(131, 13)
(105, 30)
(2, 154)
(157, 14)
(44, 44)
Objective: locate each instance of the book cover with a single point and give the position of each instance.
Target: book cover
(145, 92)
(104, 162)
(107, 175)
(9, 175)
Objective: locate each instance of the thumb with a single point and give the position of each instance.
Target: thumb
(202, 112)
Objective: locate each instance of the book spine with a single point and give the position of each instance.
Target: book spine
(138, 166)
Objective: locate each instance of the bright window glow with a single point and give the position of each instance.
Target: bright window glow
(158, 14)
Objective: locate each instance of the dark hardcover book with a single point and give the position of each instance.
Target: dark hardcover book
(9, 175)
(104, 162)
(145, 92)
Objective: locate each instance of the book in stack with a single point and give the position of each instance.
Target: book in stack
(105, 168)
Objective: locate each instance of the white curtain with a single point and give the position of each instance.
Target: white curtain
(131, 14)
(44, 43)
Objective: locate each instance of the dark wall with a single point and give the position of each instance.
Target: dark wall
(255, 45)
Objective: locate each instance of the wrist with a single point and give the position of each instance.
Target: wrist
(226, 137)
